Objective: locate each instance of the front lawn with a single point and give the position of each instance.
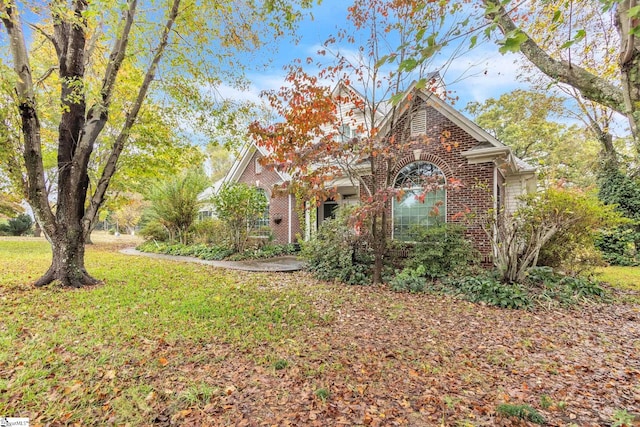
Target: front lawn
(626, 279)
(621, 277)
(163, 343)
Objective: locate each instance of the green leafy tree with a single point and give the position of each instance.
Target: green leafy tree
(239, 206)
(17, 226)
(129, 213)
(175, 203)
(585, 36)
(192, 45)
(220, 161)
(524, 120)
(621, 189)
(576, 27)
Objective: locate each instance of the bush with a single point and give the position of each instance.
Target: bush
(17, 226)
(573, 248)
(239, 206)
(210, 231)
(409, 280)
(153, 230)
(200, 251)
(618, 246)
(337, 253)
(522, 412)
(489, 290)
(267, 251)
(551, 228)
(174, 205)
(621, 189)
(441, 251)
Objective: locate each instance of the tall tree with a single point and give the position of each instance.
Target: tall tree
(196, 39)
(586, 37)
(220, 160)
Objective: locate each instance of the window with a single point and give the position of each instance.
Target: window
(344, 133)
(258, 166)
(261, 225)
(203, 215)
(417, 207)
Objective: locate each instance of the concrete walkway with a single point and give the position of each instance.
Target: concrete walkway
(283, 263)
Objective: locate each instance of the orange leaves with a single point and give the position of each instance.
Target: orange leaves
(75, 386)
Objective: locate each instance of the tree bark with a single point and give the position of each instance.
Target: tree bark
(67, 265)
(79, 127)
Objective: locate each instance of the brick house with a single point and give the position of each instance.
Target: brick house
(280, 216)
(489, 175)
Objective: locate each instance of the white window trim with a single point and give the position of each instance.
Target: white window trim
(393, 201)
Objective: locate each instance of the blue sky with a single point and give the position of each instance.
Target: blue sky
(476, 76)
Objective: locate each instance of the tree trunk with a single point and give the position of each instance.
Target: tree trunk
(379, 248)
(37, 231)
(67, 265)
(92, 227)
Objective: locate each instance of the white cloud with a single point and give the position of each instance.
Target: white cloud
(481, 74)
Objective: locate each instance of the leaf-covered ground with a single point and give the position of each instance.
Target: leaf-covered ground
(178, 344)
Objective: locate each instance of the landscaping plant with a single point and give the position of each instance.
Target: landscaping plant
(339, 253)
(239, 206)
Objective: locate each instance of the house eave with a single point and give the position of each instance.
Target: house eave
(503, 158)
(485, 155)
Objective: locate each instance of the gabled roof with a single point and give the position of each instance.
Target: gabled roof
(381, 108)
(242, 161)
(488, 148)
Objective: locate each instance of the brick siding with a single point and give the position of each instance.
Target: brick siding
(278, 206)
(476, 190)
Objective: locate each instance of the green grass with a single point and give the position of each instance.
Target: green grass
(74, 347)
(621, 277)
(624, 278)
(189, 344)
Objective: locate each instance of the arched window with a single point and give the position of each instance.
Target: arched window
(417, 206)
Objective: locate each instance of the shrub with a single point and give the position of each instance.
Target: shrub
(174, 205)
(489, 290)
(267, 251)
(17, 226)
(573, 247)
(441, 251)
(239, 206)
(548, 229)
(338, 253)
(409, 280)
(199, 251)
(153, 230)
(211, 231)
(522, 412)
(618, 246)
(621, 188)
